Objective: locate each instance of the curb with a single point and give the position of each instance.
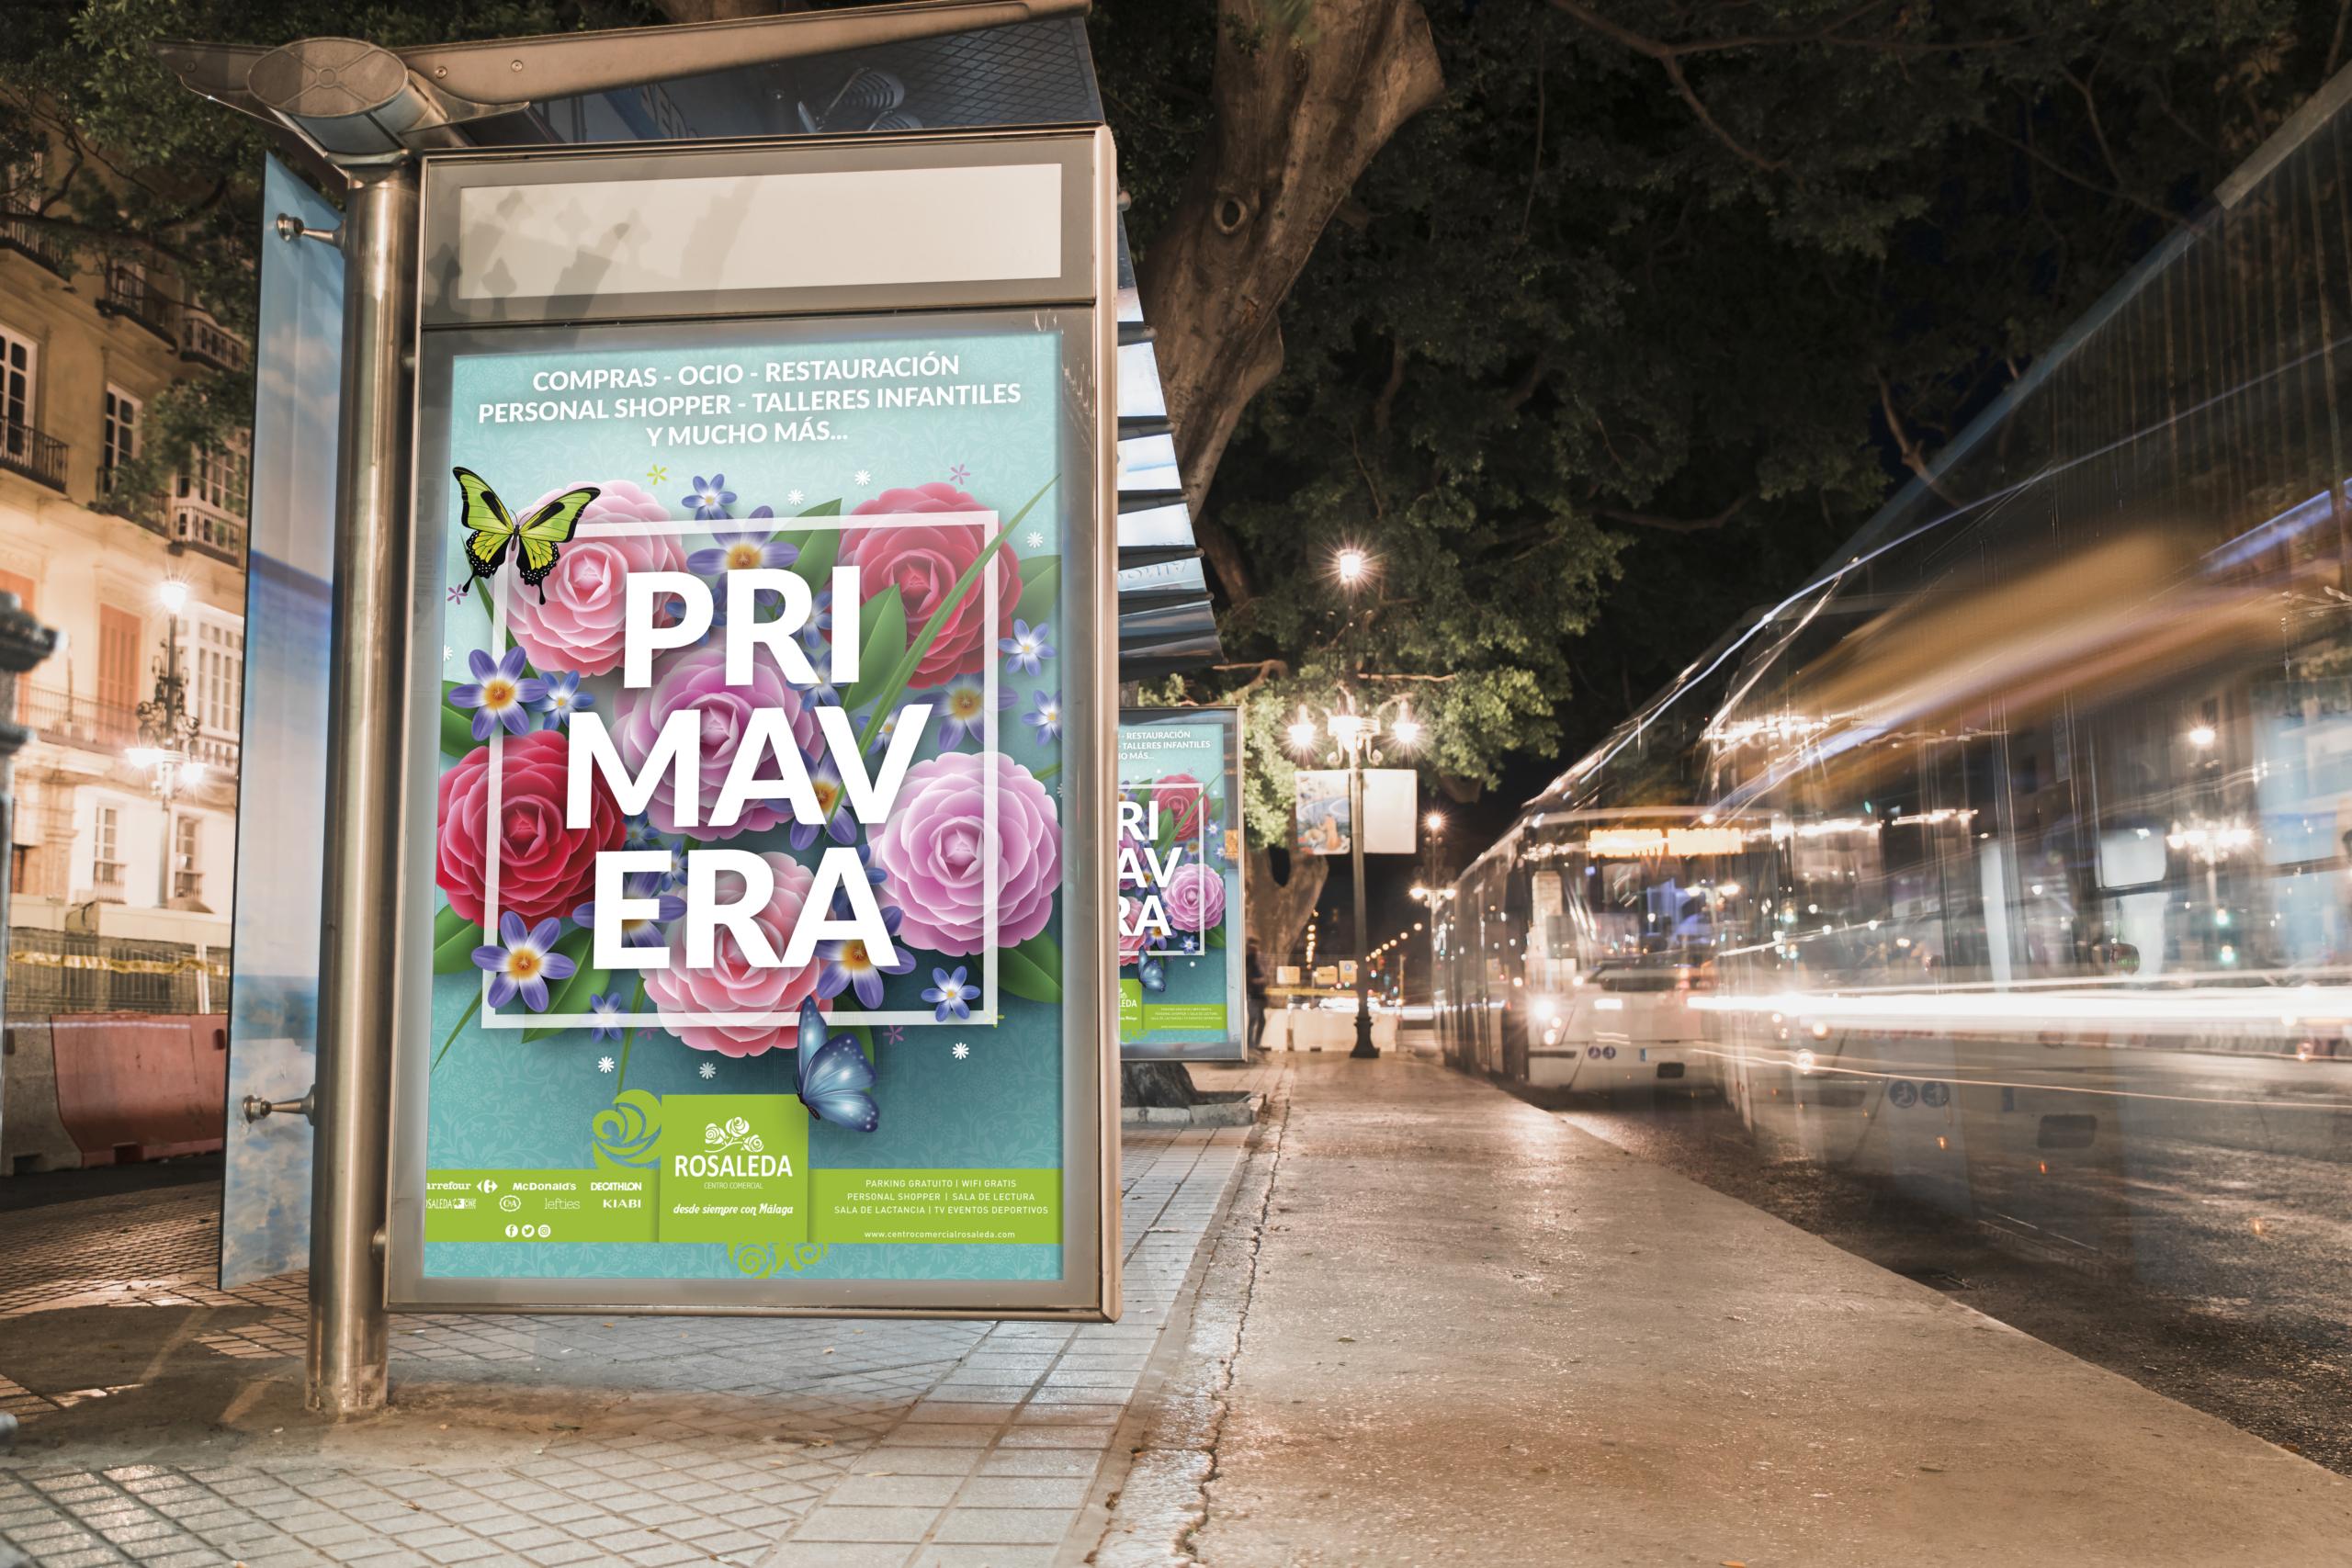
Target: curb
(1231, 1109)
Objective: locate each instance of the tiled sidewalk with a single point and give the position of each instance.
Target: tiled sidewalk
(558, 1439)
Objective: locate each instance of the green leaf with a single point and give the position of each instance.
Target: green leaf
(815, 566)
(1032, 970)
(885, 619)
(1214, 939)
(887, 698)
(1041, 590)
(570, 995)
(454, 940)
(457, 732)
(825, 509)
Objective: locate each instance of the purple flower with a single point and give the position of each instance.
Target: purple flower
(499, 693)
(948, 989)
(849, 966)
(1027, 648)
(562, 698)
(637, 833)
(609, 1010)
(1046, 713)
(636, 929)
(833, 804)
(711, 498)
(526, 962)
(817, 635)
(964, 709)
(742, 550)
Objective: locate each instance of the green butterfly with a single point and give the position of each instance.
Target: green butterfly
(494, 529)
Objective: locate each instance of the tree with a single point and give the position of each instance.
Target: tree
(1625, 333)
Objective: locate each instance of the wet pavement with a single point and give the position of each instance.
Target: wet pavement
(1404, 1319)
(1469, 1331)
(2223, 1290)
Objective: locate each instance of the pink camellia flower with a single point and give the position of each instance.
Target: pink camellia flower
(1179, 797)
(579, 628)
(545, 869)
(1130, 943)
(732, 984)
(935, 853)
(698, 679)
(1194, 898)
(923, 563)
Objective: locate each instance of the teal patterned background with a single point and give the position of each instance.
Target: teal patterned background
(497, 1100)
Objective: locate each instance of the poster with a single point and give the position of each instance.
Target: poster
(1324, 821)
(749, 856)
(282, 780)
(1181, 950)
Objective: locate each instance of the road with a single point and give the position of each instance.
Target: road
(2200, 1250)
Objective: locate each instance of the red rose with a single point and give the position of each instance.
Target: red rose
(923, 563)
(544, 868)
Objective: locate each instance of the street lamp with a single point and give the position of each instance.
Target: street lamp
(167, 732)
(1353, 742)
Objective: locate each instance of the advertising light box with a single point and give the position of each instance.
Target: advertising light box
(1180, 928)
(755, 937)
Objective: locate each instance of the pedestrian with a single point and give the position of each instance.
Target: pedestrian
(1253, 985)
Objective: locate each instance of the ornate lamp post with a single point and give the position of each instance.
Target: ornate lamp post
(167, 733)
(1354, 738)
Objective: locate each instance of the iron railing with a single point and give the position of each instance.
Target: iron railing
(33, 453)
(131, 294)
(202, 526)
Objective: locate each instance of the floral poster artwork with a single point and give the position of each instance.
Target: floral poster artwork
(749, 817)
(1180, 886)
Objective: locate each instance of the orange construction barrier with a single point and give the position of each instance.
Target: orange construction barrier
(140, 1086)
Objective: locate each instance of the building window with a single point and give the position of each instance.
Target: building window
(20, 860)
(119, 638)
(186, 878)
(219, 676)
(220, 477)
(119, 442)
(108, 871)
(19, 360)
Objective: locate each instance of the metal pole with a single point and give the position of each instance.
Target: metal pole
(1364, 1047)
(345, 1371)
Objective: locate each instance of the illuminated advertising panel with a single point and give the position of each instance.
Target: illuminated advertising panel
(755, 946)
(1182, 948)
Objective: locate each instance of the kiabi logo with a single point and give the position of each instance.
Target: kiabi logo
(736, 1135)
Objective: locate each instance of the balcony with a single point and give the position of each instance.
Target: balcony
(132, 294)
(35, 243)
(66, 719)
(39, 456)
(206, 342)
(200, 525)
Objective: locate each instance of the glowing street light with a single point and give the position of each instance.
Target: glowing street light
(1351, 566)
(2203, 735)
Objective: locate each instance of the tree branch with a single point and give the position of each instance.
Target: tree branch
(1677, 524)
(1913, 457)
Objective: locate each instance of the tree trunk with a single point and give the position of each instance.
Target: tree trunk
(1299, 116)
(1168, 1085)
(1278, 911)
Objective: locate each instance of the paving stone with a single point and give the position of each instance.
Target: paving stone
(830, 1523)
(1034, 1526)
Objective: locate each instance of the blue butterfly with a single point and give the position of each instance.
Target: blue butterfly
(833, 1075)
(1153, 973)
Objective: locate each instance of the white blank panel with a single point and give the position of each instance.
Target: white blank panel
(816, 230)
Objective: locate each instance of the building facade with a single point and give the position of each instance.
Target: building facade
(125, 836)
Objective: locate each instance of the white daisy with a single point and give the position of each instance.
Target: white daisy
(1037, 539)
(864, 477)
(793, 496)
(962, 1050)
(604, 1065)
(710, 1069)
